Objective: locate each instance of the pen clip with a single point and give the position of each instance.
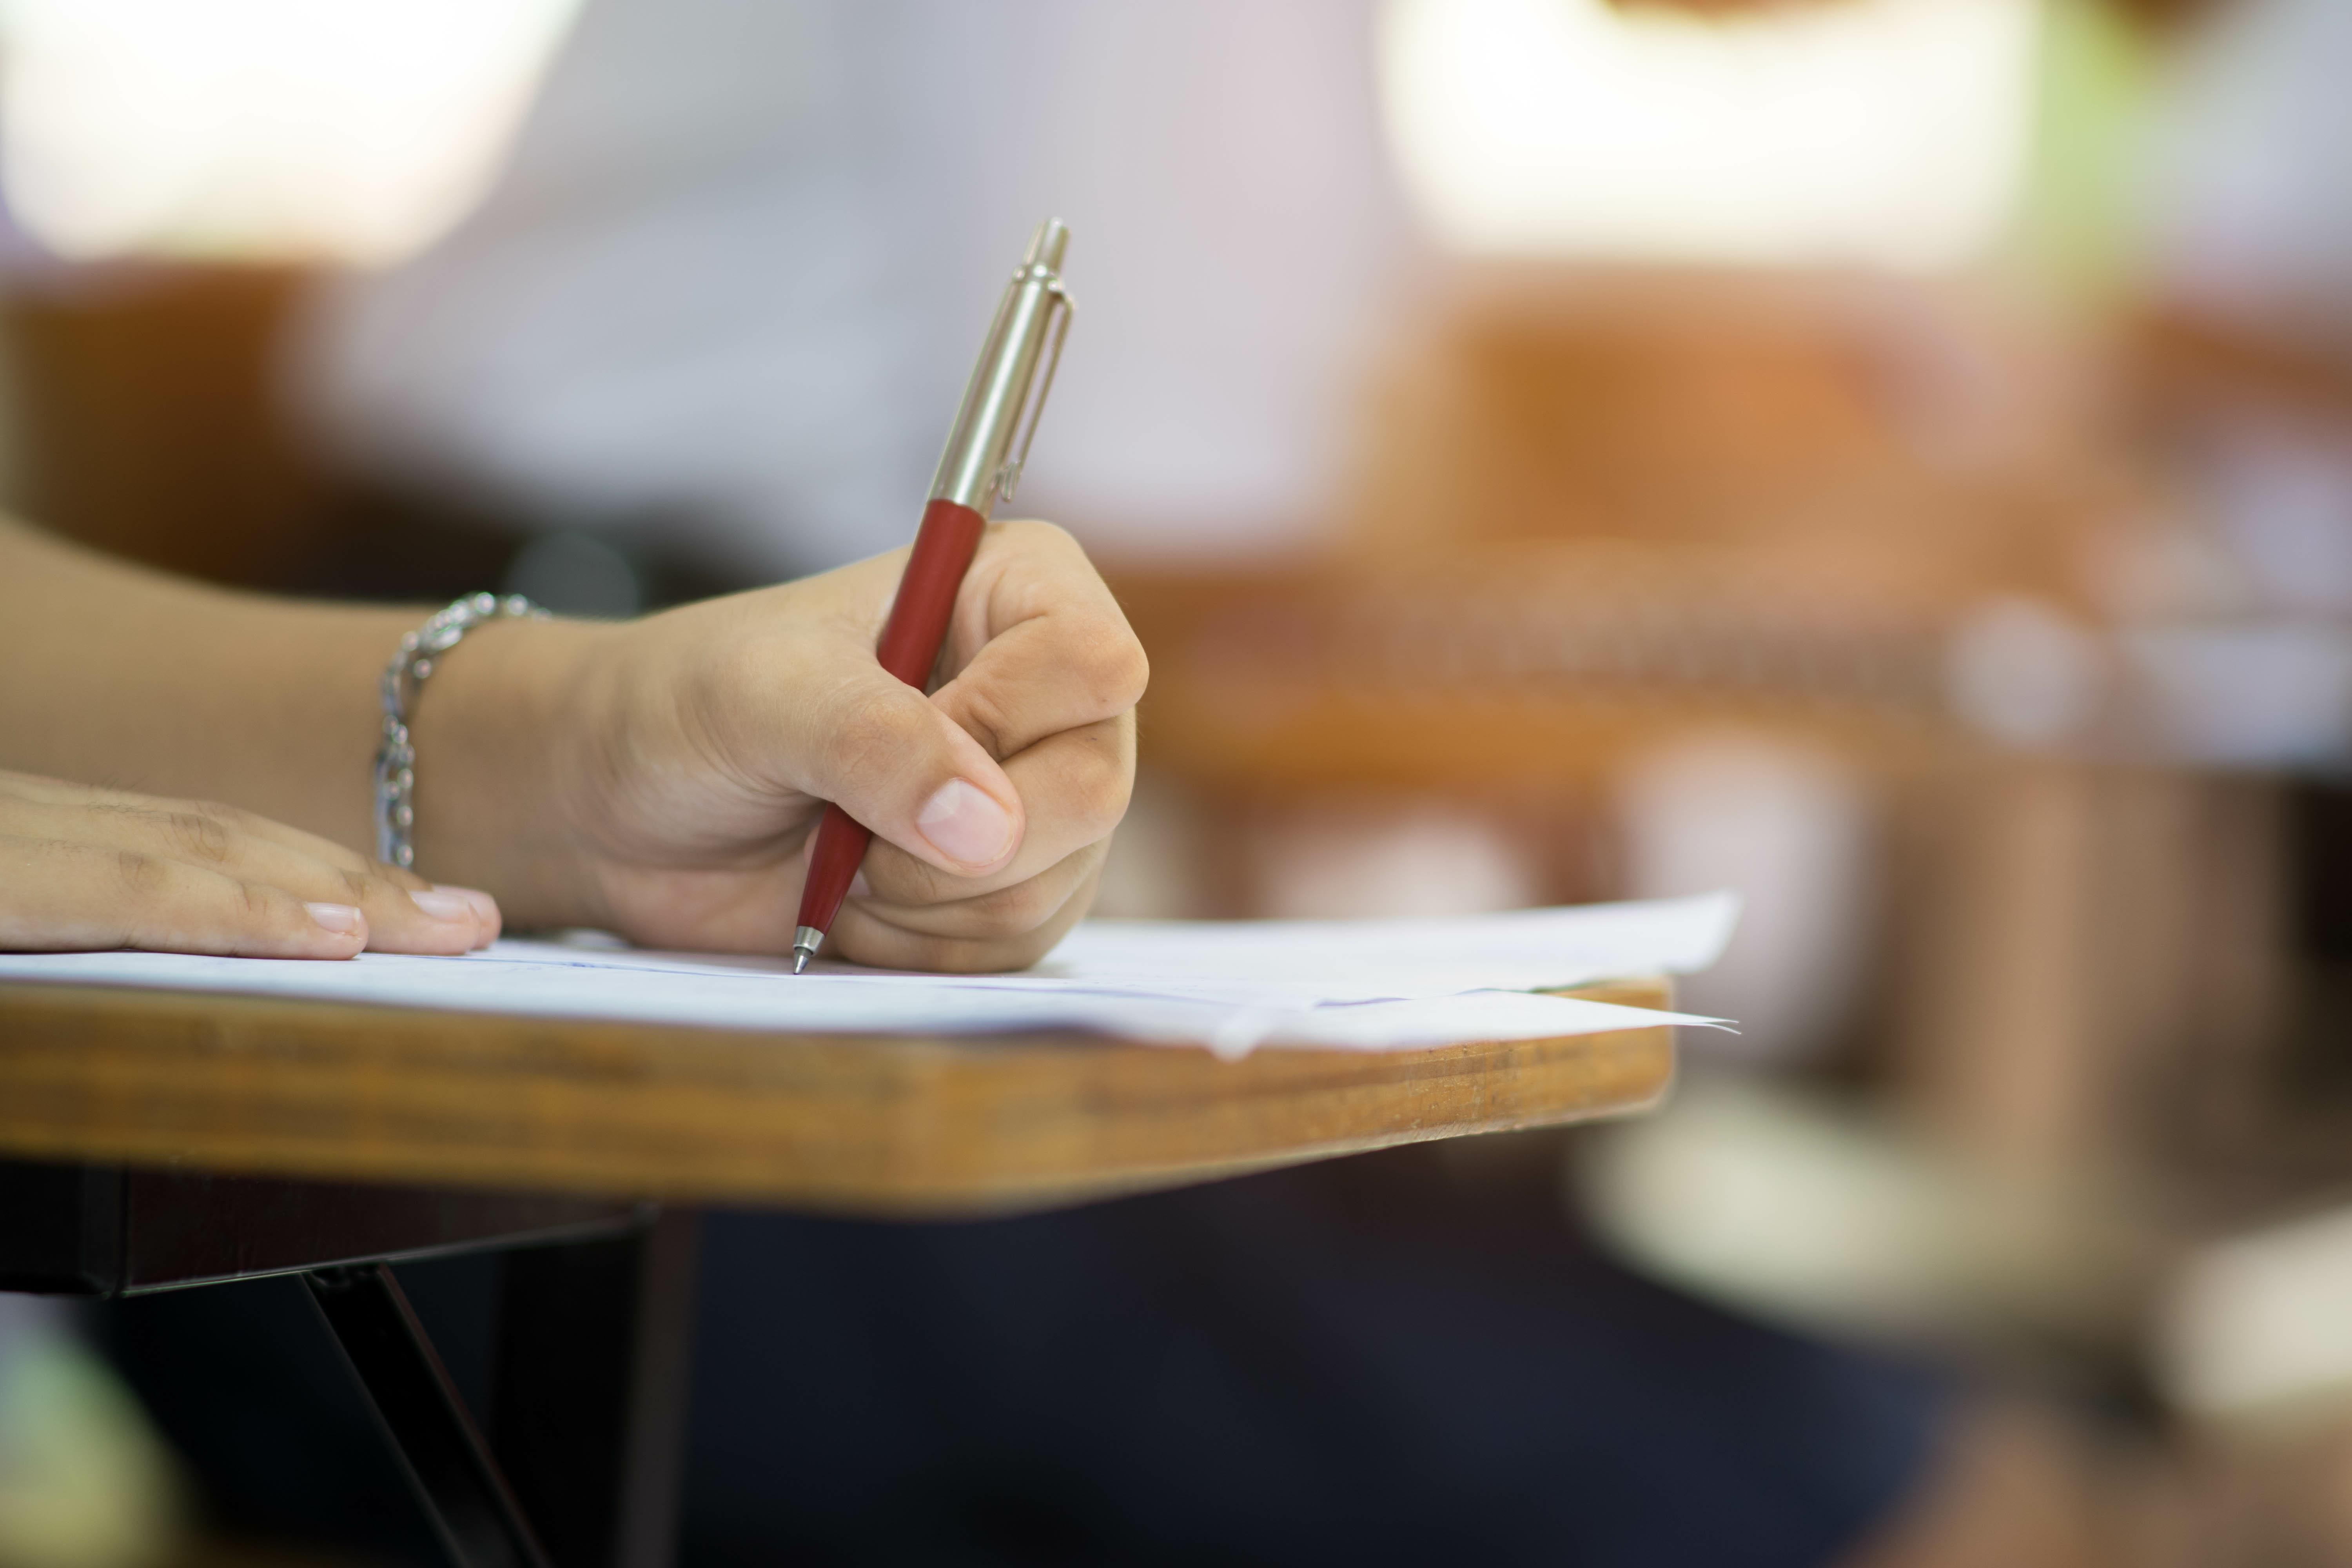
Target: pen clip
(1060, 308)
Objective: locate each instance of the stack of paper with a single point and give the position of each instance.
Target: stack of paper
(1229, 985)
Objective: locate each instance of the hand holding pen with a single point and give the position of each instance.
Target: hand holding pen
(666, 778)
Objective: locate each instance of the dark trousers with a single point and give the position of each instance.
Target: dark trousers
(1367, 1361)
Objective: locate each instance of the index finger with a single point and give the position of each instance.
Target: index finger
(1040, 645)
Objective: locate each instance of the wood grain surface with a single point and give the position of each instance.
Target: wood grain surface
(899, 1125)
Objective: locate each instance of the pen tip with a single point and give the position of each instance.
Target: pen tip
(801, 957)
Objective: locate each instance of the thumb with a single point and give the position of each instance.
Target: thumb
(882, 752)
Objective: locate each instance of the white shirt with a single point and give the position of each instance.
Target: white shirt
(733, 278)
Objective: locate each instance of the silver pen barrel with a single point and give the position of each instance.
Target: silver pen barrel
(990, 440)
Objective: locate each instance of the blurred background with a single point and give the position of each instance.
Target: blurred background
(1893, 457)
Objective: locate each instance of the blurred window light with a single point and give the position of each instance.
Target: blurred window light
(346, 130)
(1885, 133)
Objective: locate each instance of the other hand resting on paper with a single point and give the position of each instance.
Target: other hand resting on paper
(83, 868)
(660, 777)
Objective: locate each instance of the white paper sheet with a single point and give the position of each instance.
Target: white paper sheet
(1227, 985)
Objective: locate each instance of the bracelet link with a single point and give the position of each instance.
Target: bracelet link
(404, 679)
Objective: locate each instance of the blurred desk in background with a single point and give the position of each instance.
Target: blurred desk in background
(2069, 953)
(1529, 663)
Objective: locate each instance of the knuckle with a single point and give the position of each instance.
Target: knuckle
(199, 832)
(257, 902)
(1009, 912)
(1113, 663)
(143, 875)
(359, 886)
(898, 878)
(1099, 795)
(981, 713)
(235, 817)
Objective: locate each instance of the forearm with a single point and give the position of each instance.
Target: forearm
(123, 677)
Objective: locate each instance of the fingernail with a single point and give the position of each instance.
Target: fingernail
(860, 886)
(445, 904)
(964, 825)
(340, 919)
(486, 910)
(485, 907)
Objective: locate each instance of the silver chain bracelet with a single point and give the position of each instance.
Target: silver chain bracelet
(403, 678)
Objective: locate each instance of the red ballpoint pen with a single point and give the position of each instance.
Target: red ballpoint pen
(980, 468)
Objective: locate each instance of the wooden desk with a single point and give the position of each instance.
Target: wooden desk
(899, 1126)
(162, 1140)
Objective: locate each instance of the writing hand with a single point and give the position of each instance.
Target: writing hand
(665, 777)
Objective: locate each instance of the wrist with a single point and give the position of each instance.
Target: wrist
(497, 735)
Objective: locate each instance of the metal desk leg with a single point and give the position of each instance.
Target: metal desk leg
(589, 1403)
(448, 1464)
